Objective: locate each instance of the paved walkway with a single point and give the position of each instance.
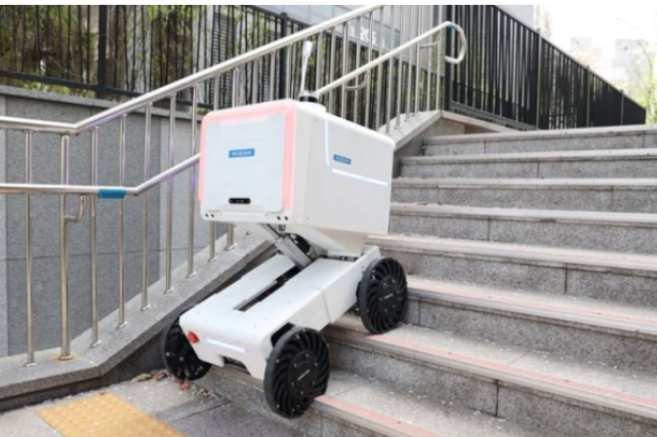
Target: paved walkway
(189, 410)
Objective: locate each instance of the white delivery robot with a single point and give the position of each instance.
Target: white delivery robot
(315, 185)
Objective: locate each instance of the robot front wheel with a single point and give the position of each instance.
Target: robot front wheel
(179, 357)
(382, 296)
(297, 371)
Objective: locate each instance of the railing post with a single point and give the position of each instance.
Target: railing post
(122, 182)
(65, 353)
(622, 109)
(95, 338)
(539, 77)
(101, 92)
(448, 67)
(282, 64)
(588, 95)
(28, 251)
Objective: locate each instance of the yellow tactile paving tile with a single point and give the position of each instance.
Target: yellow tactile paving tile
(104, 415)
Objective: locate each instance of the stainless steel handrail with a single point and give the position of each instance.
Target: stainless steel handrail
(120, 192)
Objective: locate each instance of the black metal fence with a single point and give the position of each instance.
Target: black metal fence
(125, 50)
(512, 74)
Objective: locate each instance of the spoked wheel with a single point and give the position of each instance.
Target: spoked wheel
(179, 357)
(297, 372)
(382, 296)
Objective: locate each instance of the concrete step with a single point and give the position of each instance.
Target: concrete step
(600, 275)
(614, 195)
(619, 232)
(629, 163)
(543, 141)
(358, 406)
(509, 383)
(619, 337)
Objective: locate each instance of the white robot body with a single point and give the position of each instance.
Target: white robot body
(231, 325)
(293, 164)
(316, 186)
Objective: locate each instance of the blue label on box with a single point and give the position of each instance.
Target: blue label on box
(241, 153)
(342, 159)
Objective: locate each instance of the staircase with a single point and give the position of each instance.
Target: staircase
(531, 258)
(532, 269)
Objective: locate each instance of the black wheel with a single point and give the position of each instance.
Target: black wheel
(178, 354)
(297, 372)
(382, 296)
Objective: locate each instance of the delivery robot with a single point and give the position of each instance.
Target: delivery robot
(316, 186)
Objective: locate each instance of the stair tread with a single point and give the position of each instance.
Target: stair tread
(616, 388)
(579, 155)
(423, 208)
(439, 418)
(638, 183)
(548, 255)
(612, 315)
(595, 132)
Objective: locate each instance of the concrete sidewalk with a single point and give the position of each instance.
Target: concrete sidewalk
(188, 409)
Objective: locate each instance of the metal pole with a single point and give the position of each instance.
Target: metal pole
(122, 319)
(539, 75)
(230, 232)
(332, 69)
(391, 23)
(417, 62)
(65, 353)
(95, 337)
(282, 66)
(168, 287)
(272, 76)
(400, 68)
(427, 106)
(379, 72)
(345, 60)
(318, 61)
(357, 92)
(144, 219)
(192, 188)
(368, 90)
(409, 70)
(439, 58)
(588, 95)
(102, 51)
(213, 226)
(28, 252)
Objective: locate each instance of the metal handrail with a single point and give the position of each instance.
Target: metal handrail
(182, 84)
(398, 51)
(120, 192)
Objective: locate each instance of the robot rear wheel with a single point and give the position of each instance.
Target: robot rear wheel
(178, 354)
(382, 296)
(297, 372)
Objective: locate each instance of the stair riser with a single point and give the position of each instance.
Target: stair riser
(312, 424)
(570, 144)
(544, 170)
(621, 286)
(546, 412)
(639, 201)
(559, 339)
(541, 233)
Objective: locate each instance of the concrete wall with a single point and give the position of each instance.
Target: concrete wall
(45, 213)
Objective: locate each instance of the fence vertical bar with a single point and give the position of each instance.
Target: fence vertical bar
(213, 226)
(282, 64)
(622, 108)
(447, 104)
(588, 95)
(345, 63)
(379, 71)
(400, 67)
(230, 232)
(332, 69)
(439, 59)
(539, 74)
(358, 48)
(103, 11)
(368, 90)
(417, 61)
